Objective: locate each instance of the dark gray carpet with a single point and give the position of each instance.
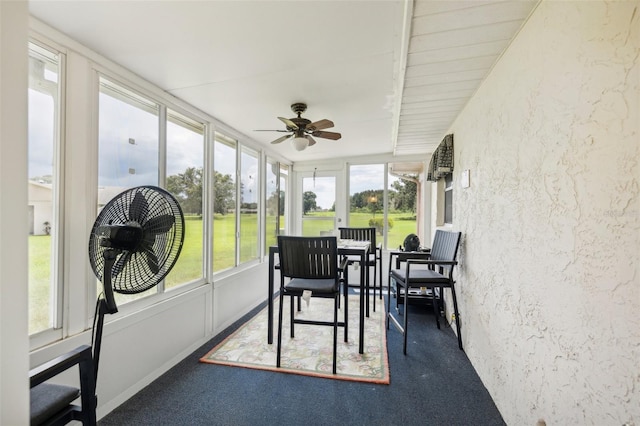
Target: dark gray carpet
(434, 384)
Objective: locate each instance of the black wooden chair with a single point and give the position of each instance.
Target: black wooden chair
(53, 404)
(311, 264)
(433, 274)
(374, 257)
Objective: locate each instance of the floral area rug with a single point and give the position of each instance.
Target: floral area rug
(310, 352)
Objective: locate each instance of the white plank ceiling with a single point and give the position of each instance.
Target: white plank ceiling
(391, 74)
(452, 47)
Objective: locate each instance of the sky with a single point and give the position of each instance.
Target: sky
(361, 178)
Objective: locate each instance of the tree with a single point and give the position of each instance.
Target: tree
(187, 188)
(309, 201)
(370, 199)
(404, 198)
(224, 189)
(273, 201)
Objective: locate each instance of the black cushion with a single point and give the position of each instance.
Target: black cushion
(47, 399)
(317, 286)
(419, 276)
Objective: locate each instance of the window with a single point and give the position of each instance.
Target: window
(224, 203)
(131, 152)
(44, 195)
(366, 196)
(249, 195)
(318, 205)
(185, 170)
(448, 198)
(276, 185)
(403, 205)
(128, 148)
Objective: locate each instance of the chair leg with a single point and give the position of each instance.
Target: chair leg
(346, 309)
(386, 317)
(335, 332)
(374, 284)
(406, 318)
(436, 305)
(291, 316)
(366, 287)
(279, 333)
(380, 277)
(455, 311)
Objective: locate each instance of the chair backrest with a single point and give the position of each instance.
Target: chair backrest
(360, 234)
(445, 247)
(308, 257)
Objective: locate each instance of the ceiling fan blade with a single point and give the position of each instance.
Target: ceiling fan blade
(311, 140)
(289, 123)
(281, 139)
(266, 130)
(327, 135)
(319, 125)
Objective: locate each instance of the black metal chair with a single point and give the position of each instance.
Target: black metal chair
(374, 257)
(311, 264)
(433, 274)
(53, 404)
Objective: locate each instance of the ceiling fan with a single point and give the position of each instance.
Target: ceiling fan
(303, 130)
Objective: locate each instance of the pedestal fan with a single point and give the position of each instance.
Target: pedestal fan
(134, 243)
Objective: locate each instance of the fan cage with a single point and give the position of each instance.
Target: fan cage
(132, 272)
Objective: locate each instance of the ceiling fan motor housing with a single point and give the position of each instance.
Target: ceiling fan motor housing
(299, 108)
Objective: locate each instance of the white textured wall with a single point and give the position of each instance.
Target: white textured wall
(549, 283)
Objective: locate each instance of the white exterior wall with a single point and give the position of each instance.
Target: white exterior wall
(549, 282)
(40, 199)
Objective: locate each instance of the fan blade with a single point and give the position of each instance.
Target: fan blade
(120, 263)
(281, 139)
(158, 225)
(152, 260)
(327, 135)
(289, 123)
(311, 140)
(139, 208)
(319, 125)
(267, 130)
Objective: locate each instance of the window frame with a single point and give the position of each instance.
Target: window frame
(55, 330)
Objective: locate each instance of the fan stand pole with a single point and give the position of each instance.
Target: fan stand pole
(106, 305)
(97, 343)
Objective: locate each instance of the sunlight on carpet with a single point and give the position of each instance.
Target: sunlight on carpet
(311, 351)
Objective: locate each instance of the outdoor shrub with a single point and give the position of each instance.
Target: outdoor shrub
(378, 224)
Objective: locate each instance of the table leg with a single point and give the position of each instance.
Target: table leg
(362, 300)
(270, 297)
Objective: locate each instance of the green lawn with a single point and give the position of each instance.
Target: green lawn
(39, 279)
(189, 265)
(403, 224)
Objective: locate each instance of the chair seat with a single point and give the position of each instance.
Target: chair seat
(418, 276)
(317, 286)
(353, 258)
(47, 399)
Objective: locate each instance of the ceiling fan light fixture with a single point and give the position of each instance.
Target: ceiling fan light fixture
(300, 143)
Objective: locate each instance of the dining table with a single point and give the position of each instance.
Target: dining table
(345, 248)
